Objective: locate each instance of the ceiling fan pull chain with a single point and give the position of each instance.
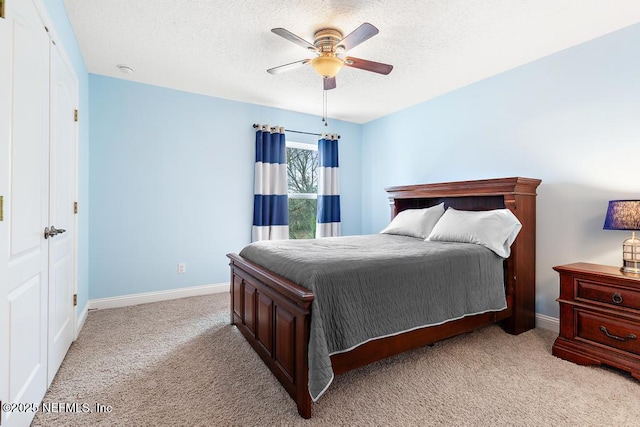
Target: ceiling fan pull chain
(323, 95)
(324, 107)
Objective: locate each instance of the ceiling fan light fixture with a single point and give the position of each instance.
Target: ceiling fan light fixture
(327, 65)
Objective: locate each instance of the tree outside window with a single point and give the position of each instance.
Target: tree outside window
(302, 182)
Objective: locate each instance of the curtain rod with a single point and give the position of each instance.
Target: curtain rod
(255, 125)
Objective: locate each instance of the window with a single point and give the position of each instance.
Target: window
(302, 184)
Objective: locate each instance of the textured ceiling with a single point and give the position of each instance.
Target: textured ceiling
(223, 48)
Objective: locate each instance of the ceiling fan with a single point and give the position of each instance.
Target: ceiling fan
(328, 44)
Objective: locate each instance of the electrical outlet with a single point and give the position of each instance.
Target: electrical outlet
(182, 267)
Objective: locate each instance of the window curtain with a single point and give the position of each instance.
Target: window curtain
(328, 221)
(270, 203)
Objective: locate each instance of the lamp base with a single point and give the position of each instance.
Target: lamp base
(630, 270)
(631, 255)
(630, 267)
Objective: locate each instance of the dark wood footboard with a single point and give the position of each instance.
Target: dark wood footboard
(273, 314)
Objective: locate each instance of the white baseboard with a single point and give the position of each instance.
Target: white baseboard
(135, 299)
(82, 317)
(547, 322)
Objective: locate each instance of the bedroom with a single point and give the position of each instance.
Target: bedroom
(569, 118)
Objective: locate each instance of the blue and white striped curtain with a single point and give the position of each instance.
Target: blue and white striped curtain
(270, 202)
(328, 222)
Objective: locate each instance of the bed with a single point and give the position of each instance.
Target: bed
(274, 313)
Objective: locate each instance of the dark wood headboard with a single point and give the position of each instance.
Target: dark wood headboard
(476, 195)
(516, 194)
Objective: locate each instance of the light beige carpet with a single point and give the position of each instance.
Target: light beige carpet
(180, 363)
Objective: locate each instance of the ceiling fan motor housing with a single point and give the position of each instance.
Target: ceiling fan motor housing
(325, 40)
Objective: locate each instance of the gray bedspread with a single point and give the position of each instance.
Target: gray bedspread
(372, 286)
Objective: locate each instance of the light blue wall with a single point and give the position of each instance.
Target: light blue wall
(67, 41)
(571, 119)
(172, 181)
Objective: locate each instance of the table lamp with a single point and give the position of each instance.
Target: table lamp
(625, 215)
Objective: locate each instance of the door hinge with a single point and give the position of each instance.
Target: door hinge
(75, 207)
(75, 299)
(75, 115)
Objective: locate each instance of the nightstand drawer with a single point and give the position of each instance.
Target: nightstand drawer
(610, 331)
(606, 293)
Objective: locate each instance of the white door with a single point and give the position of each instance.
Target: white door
(62, 194)
(26, 211)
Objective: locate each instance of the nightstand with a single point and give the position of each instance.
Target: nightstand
(599, 317)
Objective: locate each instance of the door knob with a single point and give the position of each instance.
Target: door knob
(53, 231)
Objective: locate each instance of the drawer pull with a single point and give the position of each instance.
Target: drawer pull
(617, 298)
(615, 337)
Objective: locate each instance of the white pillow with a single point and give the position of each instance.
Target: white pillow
(495, 229)
(415, 222)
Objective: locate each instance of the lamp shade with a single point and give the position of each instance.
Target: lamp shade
(623, 215)
(327, 65)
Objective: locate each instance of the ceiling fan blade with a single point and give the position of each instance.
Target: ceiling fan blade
(329, 83)
(288, 67)
(363, 64)
(293, 38)
(357, 36)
